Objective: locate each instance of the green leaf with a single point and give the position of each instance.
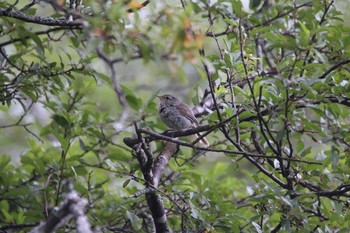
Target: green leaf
(20, 191)
(246, 114)
(280, 135)
(118, 154)
(60, 120)
(82, 145)
(105, 78)
(335, 157)
(126, 183)
(4, 161)
(63, 139)
(304, 34)
(145, 51)
(238, 8)
(39, 48)
(255, 4)
(135, 221)
(76, 43)
(134, 102)
(222, 90)
(31, 11)
(246, 124)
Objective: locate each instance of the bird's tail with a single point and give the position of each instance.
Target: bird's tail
(203, 140)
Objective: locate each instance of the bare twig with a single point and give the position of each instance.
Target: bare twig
(226, 32)
(281, 15)
(15, 40)
(29, 5)
(262, 122)
(118, 90)
(336, 66)
(139, 56)
(313, 38)
(229, 78)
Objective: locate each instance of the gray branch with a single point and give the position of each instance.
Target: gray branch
(73, 207)
(49, 21)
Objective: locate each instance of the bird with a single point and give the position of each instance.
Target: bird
(178, 115)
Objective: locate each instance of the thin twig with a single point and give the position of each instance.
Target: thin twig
(118, 90)
(336, 66)
(278, 16)
(15, 40)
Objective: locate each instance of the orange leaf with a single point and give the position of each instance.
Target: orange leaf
(135, 5)
(186, 23)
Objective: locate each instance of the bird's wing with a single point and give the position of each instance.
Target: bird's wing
(187, 112)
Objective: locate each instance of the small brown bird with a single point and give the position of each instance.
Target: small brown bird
(177, 115)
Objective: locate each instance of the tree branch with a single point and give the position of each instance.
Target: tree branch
(156, 136)
(154, 200)
(117, 88)
(152, 177)
(281, 15)
(333, 68)
(17, 226)
(11, 41)
(341, 190)
(162, 160)
(73, 207)
(49, 21)
(156, 206)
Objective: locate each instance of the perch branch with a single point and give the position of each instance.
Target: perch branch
(152, 173)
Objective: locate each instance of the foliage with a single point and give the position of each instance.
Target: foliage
(272, 78)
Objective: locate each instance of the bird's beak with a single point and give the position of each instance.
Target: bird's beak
(160, 97)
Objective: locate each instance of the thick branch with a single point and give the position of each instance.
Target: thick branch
(155, 204)
(73, 207)
(162, 161)
(17, 226)
(49, 21)
(154, 200)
